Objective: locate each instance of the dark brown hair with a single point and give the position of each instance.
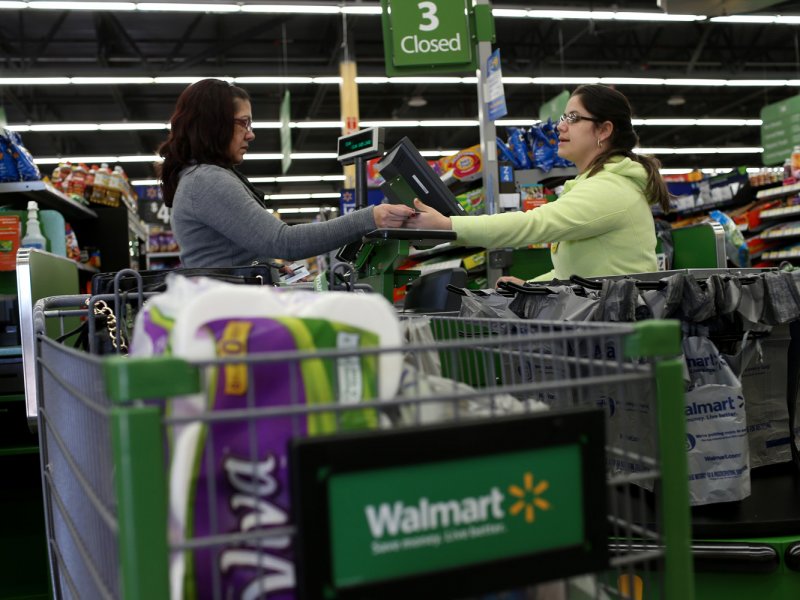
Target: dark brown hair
(201, 131)
(607, 104)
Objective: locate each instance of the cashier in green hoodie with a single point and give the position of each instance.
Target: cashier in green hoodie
(602, 223)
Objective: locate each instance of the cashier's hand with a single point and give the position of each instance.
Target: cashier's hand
(392, 215)
(509, 279)
(428, 218)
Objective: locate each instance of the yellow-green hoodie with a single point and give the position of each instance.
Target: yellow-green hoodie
(600, 225)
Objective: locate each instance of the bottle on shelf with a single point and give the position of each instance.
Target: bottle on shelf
(102, 178)
(796, 163)
(33, 237)
(116, 184)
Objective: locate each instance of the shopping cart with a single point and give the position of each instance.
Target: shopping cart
(108, 432)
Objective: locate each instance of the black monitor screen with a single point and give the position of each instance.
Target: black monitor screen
(409, 175)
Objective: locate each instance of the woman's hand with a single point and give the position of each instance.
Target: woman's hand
(428, 218)
(509, 279)
(392, 216)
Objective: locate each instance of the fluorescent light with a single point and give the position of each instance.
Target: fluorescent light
(138, 158)
(517, 122)
(34, 80)
(372, 80)
(424, 80)
(656, 17)
(702, 122)
(744, 19)
(311, 155)
(187, 80)
(111, 80)
(564, 80)
(316, 125)
(327, 80)
(263, 156)
(362, 10)
(570, 14)
(132, 126)
(274, 80)
(696, 82)
(631, 81)
(758, 82)
(389, 123)
(289, 196)
(745, 150)
(145, 182)
(192, 7)
(511, 13)
(74, 5)
(64, 127)
(268, 124)
(787, 19)
(9, 4)
(450, 123)
(290, 8)
(517, 80)
(321, 195)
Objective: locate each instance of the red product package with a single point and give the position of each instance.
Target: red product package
(9, 242)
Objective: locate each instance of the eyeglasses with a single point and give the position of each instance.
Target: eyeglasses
(572, 117)
(245, 122)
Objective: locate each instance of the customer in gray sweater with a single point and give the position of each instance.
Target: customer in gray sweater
(218, 217)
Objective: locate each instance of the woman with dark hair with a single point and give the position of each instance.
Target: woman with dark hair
(219, 218)
(602, 223)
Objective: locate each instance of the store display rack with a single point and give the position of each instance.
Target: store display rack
(47, 196)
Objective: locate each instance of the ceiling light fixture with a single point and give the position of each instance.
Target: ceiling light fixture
(676, 100)
(74, 5)
(332, 80)
(147, 126)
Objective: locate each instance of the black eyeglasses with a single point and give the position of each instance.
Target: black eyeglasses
(245, 122)
(572, 117)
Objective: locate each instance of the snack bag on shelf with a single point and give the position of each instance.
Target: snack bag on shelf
(8, 166)
(27, 169)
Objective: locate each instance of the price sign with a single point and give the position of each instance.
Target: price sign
(152, 209)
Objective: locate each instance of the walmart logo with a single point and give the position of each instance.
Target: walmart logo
(529, 497)
(400, 518)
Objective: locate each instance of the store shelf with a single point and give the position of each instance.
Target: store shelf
(781, 255)
(47, 197)
(780, 213)
(781, 233)
(778, 192)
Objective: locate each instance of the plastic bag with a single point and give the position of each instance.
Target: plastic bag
(716, 426)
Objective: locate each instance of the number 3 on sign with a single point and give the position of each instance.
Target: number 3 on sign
(429, 14)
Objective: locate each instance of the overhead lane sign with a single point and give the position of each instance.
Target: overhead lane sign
(431, 36)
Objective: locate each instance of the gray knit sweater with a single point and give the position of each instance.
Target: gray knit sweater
(219, 223)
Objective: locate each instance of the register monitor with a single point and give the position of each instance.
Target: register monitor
(408, 175)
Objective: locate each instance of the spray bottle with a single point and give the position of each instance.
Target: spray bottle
(33, 233)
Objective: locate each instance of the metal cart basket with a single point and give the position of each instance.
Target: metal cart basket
(109, 427)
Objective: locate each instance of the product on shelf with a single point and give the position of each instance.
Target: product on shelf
(9, 242)
(33, 237)
(16, 163)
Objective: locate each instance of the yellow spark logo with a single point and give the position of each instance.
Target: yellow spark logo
(528, 498)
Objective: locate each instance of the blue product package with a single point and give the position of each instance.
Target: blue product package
(8, 165)
(516, 139)
(28, 171)
(506, 154)
(544, 152)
